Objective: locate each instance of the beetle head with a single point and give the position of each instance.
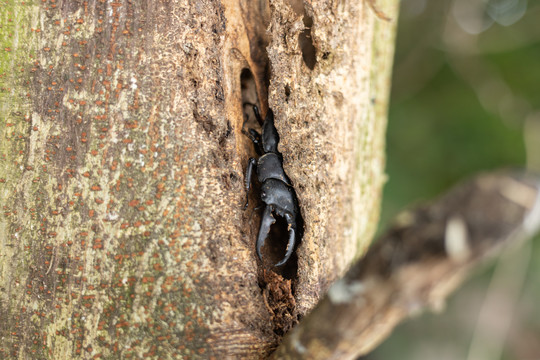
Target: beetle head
(280, 196)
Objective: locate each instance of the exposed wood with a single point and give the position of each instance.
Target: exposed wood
(416, 264)
(122, 233)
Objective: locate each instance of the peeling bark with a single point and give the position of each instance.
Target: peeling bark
(122, 233)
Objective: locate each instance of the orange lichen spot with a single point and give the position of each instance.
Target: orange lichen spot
(46, 49)
(52, 234)
(99, 201)
(91, 213)
(147, 279)
(86, 174)
(95, 188)
(134, 203)
(82, 102)
(158, 267)
(69, 148)
(127, 141)
(80, 21)
(132, 125)
(97, 246)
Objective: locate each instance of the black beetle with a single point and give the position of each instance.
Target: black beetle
(277, 191)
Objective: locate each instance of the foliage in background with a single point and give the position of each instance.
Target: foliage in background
(465, 99)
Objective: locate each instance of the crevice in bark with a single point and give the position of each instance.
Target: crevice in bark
(256, 19)
(287, 93)
(309, 52)
(249, 88)
(277, 283)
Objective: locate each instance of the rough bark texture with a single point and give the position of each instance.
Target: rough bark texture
(122, 233)
(332, 122)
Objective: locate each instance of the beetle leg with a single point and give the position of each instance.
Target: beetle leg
(257, 114)
(291, 225)
(254, 136)
(255, 111)
(266, 222)
(249, 172)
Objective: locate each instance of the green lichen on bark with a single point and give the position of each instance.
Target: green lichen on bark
(16, 46)
(19, 178)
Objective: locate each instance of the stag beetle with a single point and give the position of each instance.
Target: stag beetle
(277, 191)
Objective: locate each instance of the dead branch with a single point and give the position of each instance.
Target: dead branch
(416, 264)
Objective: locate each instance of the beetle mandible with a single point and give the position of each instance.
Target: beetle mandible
(277, 191)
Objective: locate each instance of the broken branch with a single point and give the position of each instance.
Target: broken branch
(416, 264)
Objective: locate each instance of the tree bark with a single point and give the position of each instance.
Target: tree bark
(122, 161)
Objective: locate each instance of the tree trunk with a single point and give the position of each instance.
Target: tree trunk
(122, 159)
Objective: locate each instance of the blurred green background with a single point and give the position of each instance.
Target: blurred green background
(465, 99)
